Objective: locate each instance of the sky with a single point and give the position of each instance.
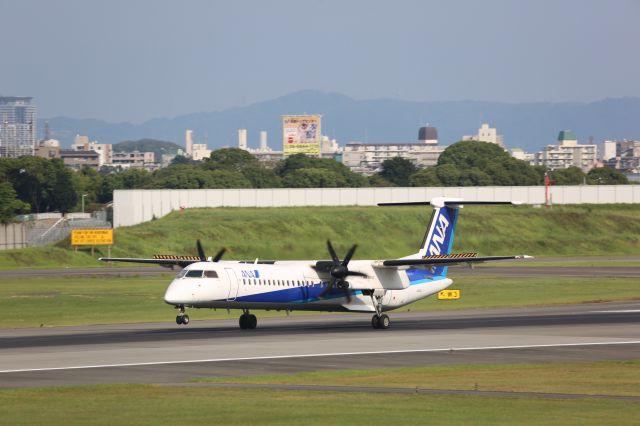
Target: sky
(134, 60)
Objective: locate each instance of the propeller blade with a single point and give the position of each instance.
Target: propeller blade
(219, 255)
(200, 250)
(332, 252)
(357, 274)
(328, 289)
(349, 255)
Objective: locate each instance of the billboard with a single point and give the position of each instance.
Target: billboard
(301, 134)
(91, 237)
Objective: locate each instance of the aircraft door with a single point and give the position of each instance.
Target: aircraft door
(233, 284)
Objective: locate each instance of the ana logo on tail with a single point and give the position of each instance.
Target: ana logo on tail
(438, 236)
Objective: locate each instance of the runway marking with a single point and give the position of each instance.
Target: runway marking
(258, 358)
(621, 311)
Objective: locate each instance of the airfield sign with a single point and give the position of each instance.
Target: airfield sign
(91, 237)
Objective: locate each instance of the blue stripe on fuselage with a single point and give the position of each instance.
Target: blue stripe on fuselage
(304, 294)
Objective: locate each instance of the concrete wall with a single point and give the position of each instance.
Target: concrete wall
(12, 236)
(131, 207)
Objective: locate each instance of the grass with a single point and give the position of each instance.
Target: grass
(592, 378)
(34, 302)
(149, 404)
(300, 233)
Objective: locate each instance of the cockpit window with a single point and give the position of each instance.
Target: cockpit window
(210, 274)
(194, 273)
(181, 273)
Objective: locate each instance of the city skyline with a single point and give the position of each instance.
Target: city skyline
(133, 62)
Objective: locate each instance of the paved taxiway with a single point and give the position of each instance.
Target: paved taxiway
(167, 353)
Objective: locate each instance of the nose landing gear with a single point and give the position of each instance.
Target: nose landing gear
(182, 318)
(248, 321)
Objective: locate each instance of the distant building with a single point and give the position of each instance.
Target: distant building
(197, 151)
(78, 159)
(242, 139)
(134, 159)
(568, 153)
(519, 154)
(486, 134)
(263, 141)
(48, 148)
(17, 126)
(609, 150)
(367, 158)
(104, 151)
(626, 158)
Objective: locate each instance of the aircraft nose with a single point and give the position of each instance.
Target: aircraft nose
(177, 294)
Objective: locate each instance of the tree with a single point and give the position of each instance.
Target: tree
(230, 159)
(397, 170)
(606, 176)
(425, 177)
(227, 179)
(10, 205)
(313, 178)
(181, 176)
(569, 176)
(301, 161)
(180, 159)
(467, 154)
(261, 177)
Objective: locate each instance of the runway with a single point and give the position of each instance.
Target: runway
(167, 353)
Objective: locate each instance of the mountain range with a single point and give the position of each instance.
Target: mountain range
(529, 126)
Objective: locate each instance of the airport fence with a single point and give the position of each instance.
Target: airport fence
(134, 206)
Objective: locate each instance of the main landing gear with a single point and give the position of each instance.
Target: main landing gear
(379, 320)
(247, 320)
(182, 318)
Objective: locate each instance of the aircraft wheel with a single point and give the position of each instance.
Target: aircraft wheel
(243, 321)
(185, 319)
(178, 320)
(252, 321)
(384, 321)
(375, 321)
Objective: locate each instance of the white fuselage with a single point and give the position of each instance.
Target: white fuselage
(293, 285)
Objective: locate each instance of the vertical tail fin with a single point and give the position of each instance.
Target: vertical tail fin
(438, 238)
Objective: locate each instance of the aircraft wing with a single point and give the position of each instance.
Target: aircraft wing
(167, 261)
(443, 260)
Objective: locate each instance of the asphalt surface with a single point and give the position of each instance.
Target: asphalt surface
(169, 354)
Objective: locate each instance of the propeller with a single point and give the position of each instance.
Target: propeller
(339, 271)
(203, 256)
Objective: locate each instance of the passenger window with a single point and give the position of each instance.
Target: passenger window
(194, 273)
(210, 274)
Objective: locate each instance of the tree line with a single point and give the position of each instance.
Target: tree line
(34, 184)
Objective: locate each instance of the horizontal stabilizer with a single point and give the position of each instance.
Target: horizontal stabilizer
(169, 261)
(442, 260)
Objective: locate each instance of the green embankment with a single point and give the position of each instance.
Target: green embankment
(300, 233)
(152, 404)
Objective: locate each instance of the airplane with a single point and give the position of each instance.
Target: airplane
(335, 285)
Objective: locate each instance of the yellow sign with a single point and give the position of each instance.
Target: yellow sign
(449, 295)
(301, 134)
(91, 237)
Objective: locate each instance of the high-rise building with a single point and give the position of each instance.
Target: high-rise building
(17, 126)
(263, 140)
(242, 139)
(188, 139)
